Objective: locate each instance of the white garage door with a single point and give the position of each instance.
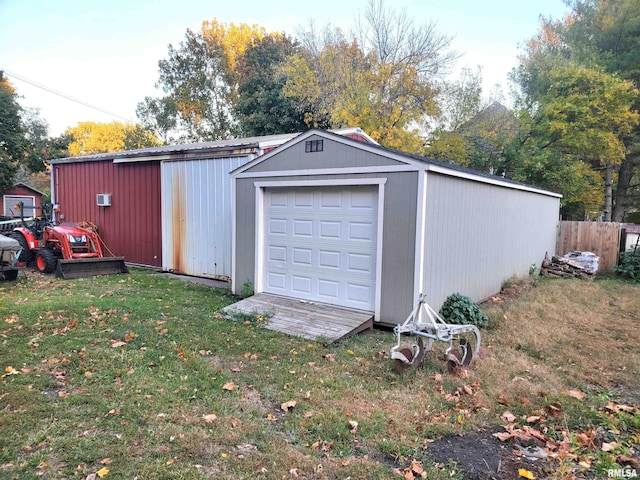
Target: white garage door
(320, 244)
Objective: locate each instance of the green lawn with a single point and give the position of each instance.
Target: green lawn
(138, 376)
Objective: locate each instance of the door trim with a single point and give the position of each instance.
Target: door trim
(260, 187)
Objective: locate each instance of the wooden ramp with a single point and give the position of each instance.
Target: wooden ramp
(314, 321)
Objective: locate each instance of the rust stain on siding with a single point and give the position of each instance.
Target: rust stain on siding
(178, 222)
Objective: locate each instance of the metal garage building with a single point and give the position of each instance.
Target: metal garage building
(328, 219)
(167, 207)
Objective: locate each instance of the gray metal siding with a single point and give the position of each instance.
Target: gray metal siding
(399, 221)
(334, 155)
(399, 238)
(478, 235)
(196, 216)
(245, 237)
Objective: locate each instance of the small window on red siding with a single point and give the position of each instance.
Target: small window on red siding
(313, 146)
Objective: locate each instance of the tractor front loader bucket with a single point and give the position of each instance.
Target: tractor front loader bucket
(88, 267)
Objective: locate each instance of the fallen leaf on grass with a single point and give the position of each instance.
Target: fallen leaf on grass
(10, 371)
(229, 386)
(209, 417)
(533, 418)
(523, 472)
(577, 394)
(106, 461)
(130, 336)
(287, 405)
(628, 460)
(607, 447)
(170, 461)
(618, 407)
(508, 417)
(117, 343)
(102, 472)
(354, 426)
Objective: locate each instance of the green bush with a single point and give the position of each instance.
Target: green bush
(629, 265)
(461, 310)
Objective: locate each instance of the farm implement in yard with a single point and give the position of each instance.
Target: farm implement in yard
(425, 323)
(68, 250)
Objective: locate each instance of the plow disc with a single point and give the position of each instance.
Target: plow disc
(411, 359)
(88, 267)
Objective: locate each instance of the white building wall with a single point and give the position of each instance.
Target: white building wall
(478, 235)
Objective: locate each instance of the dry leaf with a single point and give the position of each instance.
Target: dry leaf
(117, 343)
(91, 476)
(229, 386)
(287, 405)
(354, 426)
(106, 461)
(628, 460)
(502, 436)
(170, 461)
(437, 377)
(577, 394)
(102, 472)
(533, 418)
(209, 417)
(508, 417)
(523, 472)
(129, 336)
(607, 447)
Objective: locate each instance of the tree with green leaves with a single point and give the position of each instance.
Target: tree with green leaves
(12, 140)
(200, 81)
(383, 80)
(261, 106)
(603, 36)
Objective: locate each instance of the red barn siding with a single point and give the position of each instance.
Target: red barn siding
(131, 226)
(23, 191)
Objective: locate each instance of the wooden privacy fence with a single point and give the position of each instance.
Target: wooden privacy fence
(601, 238)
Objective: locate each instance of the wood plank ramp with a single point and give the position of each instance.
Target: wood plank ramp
(310, 320)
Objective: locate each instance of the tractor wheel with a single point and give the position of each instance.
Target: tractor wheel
(26, 255)
(46, 261)
(10, 275)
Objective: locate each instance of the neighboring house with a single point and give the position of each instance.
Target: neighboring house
(167, 207)
(328, 219)
(20, 192)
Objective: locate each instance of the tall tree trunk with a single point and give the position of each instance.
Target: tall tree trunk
(608, 192)
(623, 200)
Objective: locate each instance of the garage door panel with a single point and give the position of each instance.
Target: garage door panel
(277, 226)
(362, 231)
(276, 280)
(302, 256)
(331, 200)
(303, 199)
(277, 253)
(329, 259)
(301, 284)
(361, 263)
(320, 244)
(303, 228)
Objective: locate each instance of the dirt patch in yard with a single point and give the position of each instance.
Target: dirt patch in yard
(481, 456)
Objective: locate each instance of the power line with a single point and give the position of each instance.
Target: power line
(63, 95)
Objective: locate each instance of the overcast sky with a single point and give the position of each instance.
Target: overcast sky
(105, 53)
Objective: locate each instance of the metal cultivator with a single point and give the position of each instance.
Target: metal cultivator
(424, 322)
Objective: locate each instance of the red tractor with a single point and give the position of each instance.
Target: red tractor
(69, 250)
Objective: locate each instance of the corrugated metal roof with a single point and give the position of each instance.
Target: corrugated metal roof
(194, 149)
(202, 147)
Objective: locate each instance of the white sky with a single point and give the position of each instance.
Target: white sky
(106, 53)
